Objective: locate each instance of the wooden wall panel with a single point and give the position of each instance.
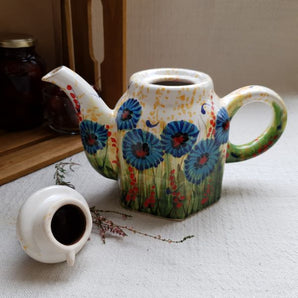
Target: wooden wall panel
(113, 68)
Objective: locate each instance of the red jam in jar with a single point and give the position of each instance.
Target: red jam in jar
(21, 70)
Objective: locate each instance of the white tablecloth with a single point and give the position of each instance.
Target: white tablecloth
(246, 245)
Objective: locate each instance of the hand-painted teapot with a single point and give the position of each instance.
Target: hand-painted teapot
(167, 139)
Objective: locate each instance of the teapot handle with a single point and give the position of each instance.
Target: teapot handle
(240, 97)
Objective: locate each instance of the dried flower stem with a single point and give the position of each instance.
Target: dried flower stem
(105, 225)
(157, 237)
(60, 172)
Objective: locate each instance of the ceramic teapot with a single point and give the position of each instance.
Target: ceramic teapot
(167, 139)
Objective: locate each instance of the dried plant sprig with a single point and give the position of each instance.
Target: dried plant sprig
(105, 225)
(157, 237)
(60, 172)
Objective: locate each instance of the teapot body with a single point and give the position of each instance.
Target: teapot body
(171, 141)
(167, 139)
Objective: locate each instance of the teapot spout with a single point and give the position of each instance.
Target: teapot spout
(97, 120)
(82, 95)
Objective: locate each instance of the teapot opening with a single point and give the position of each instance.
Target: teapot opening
(68, 224)
(173, 83)
(173, 78)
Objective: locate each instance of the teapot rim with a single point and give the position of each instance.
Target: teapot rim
(171, 78)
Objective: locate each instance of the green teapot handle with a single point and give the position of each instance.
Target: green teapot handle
(240, 97)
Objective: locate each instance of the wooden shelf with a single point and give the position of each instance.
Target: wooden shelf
(24, 152)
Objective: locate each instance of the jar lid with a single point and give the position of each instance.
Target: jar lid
(15, 40)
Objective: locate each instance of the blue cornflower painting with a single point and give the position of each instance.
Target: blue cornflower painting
(178, 137)
(201, 161)
(129, 114)
(222, 126)
(142, 149)
(94, 136)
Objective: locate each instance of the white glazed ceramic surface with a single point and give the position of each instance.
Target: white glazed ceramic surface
(34, 224)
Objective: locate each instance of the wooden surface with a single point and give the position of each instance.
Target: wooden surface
(24, 152)
(83, 65)
(113, 68)
(68, 31)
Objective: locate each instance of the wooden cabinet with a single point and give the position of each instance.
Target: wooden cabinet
(87, 36)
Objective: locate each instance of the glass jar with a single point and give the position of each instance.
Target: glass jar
(59, 110)
(21, 70)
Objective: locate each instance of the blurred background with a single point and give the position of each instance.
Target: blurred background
(237, 42)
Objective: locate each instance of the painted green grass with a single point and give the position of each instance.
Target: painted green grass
(164, 191)
(102, 163)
